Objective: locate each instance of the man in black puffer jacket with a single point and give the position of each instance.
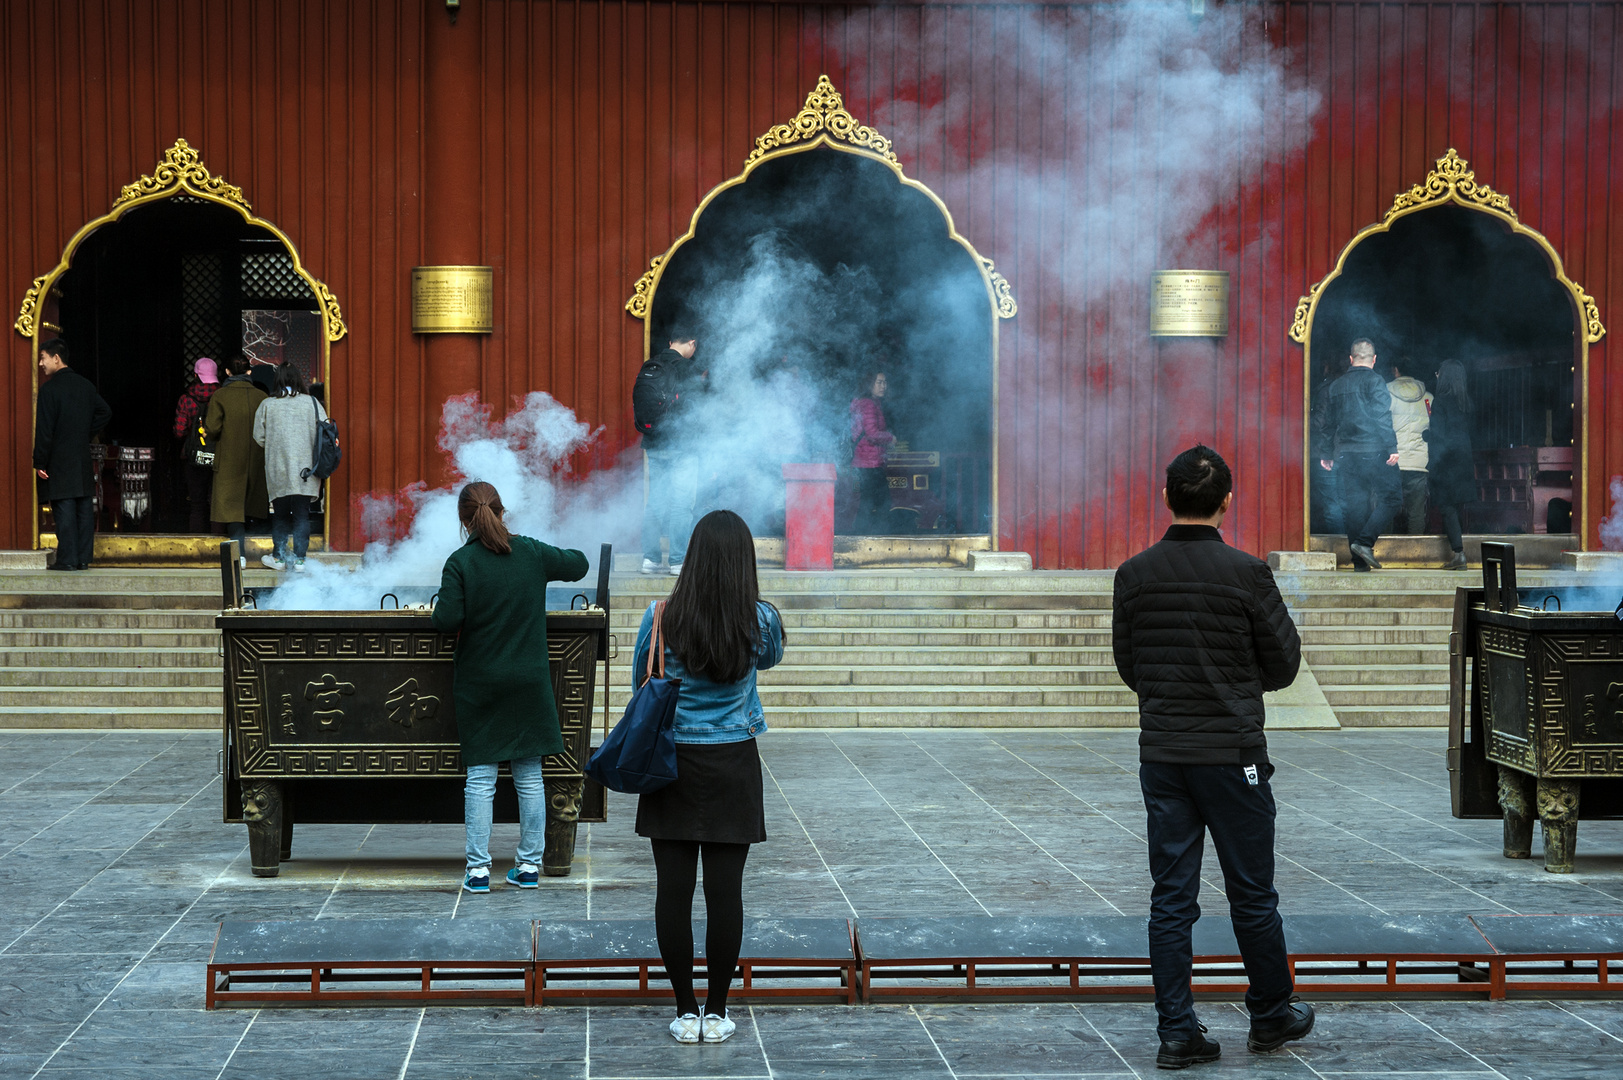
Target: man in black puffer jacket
(1200, 632)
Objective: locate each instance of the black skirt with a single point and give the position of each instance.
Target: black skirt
(715, 798)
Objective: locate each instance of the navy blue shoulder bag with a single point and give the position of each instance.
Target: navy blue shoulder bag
(639, 755)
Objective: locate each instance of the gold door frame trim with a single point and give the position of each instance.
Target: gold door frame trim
(181, 172)
(1452, 181)
(824, 122)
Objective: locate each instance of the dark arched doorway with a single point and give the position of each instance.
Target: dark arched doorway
(1452, 274)
(179, 269)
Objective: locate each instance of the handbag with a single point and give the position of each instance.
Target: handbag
(639, 755)
(324, 455)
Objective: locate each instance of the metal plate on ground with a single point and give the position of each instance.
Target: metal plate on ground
(630, 940)
(375, 941)
(1452, 936)
(1553, 935)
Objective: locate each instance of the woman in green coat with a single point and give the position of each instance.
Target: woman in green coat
(493, 594)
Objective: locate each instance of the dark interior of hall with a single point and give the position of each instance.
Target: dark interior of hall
(825, 263)
(1454, 283)
(147, 295)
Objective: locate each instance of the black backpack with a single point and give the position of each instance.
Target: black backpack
(325, 454)
(652, 395)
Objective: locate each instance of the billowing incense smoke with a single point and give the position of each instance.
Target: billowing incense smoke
(1611, 528)
(526, 457)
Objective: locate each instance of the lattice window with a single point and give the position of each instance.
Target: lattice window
(270, 276)
(202, 302)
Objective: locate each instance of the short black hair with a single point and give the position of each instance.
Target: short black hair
(57, 348)
(1197, 482)
(236, 364)
(681, 332)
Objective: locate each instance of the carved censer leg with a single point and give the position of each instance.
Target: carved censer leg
(1516, 799)
(1558, 811)
(262, 809)
(563, 819)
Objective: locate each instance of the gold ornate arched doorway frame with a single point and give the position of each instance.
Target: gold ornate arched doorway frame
(1453, 181)
(181, 172)
(824, 122)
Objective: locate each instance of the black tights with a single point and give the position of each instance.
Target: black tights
(676, 863)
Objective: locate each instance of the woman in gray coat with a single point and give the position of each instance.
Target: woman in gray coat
(285, 426)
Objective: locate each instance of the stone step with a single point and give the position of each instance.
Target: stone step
(921, 676)
(112, 657)
(68, 677)
(89, 637)
(1371, 696)
(1392, 716)
(860, 697)
(1320, 636)
(1385, 675)
(942, 656)
(106, 619)
(78, 697)
(1310, 618)
(911, 618)
(208, 602)
(175, 716)
(1321, 656)
(922, 716)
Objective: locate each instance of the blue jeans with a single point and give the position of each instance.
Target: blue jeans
(290, 515)
(673, 483)
(1183, 802)
(478, 798)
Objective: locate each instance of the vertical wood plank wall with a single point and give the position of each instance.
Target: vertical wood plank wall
(605, 123)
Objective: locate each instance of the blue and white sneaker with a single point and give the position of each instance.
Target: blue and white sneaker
(524, 875)
(477, 880)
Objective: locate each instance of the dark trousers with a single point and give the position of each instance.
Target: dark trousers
(290, 518)
(1183, 802)
(1326, 501)
(676, 872)
(873, 507)
(1414, 501)
(1451, 526)
(75, 529)
(199, 488)
(1370, 495)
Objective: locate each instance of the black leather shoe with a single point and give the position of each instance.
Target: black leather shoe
(1366, 554)
(1182, 1053)
(61, 566)
(1267, 1037)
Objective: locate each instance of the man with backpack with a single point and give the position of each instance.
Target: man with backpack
(657, 406)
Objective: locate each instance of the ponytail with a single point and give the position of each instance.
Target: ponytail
(480, 508)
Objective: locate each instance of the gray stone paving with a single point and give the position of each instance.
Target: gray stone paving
(115, 869)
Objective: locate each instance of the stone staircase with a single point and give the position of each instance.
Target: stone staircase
(869, 648)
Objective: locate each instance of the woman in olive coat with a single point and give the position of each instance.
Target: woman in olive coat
(239, 462)
(493, 593)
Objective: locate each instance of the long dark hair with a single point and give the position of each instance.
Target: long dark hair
(289, 380)
(710, 620)
(1451, 383)
(480, 508)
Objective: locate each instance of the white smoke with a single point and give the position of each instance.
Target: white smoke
(526, 457)
(1611, 528)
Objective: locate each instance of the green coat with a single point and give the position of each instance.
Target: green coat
(503, 685)
(239, 462)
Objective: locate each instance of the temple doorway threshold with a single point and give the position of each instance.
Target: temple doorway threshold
(175, 550)
(865, 552)
(1430, 552)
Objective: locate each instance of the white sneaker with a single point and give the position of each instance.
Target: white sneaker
(243, 562)
(649, 566)
(299, 566)
(676, 568)
(716, 1028)
(685, 1028)
(273, 562)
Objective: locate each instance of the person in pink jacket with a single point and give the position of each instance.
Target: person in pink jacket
(872, 439)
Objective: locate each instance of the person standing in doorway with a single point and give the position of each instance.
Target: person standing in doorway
(716, 633)
(1411, 416)
(1453, 469)
(493, 596)
(239, 463)
(68, 414)
(657, 402)
(189, 413)
(872, 441)
(1360, 445)
(1199, 632)
(285, 425)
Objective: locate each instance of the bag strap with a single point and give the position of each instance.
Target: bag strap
(656, 647)
(315, 447)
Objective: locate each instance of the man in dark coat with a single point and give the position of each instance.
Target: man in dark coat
(1200, 632)
(69, 412)
(1358, 442)
(657, 400)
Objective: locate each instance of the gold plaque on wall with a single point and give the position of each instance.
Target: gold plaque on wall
(1189, 303)
(452, 300)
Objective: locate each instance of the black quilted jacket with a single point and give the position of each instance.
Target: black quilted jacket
(1200, 631)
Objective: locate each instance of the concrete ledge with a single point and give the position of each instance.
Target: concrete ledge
(1296, 562)
(22, 560)
(1595, 561)
(999, 561)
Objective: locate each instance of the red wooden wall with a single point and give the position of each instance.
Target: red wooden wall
(599, 127)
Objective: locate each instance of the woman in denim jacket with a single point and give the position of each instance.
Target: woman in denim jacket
(717, 633)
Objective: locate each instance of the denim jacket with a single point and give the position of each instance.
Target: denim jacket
(708, 712)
